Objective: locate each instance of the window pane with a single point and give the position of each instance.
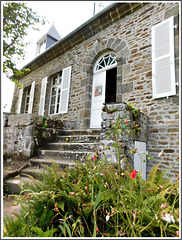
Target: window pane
(28, 98)
(105, 61)
(54, 81)
(60, 79)
(28, 91)
(26, 108)
(57, 108)
(52, 109)
(53, 100)
(53, 91)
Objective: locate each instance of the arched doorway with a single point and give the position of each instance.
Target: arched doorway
(103, 86)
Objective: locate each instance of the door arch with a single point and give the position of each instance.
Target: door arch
(103, 86)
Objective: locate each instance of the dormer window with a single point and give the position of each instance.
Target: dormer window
(41, 47)
(50, 38)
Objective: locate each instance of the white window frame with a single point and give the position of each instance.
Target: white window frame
(41, 43)
(106, 67)
(168, 55)
(64, 94)
(27, 95)
(57, 85)
(31, 98)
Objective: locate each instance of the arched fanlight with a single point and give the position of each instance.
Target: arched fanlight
(106, 61)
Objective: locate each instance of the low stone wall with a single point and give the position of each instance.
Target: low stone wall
(24, 134)
(110, 115)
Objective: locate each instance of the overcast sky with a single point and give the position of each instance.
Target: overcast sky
(65, 15)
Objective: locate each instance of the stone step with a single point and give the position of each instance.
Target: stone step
(14, 183)
(79, 138)
(30, 171)
(79, 132)
(64, 155)
(37, 163)
(72, 146)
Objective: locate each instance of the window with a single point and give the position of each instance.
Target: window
(106, 61)
(27, 99)
(56, 83)
(41, 47)
(58, 92)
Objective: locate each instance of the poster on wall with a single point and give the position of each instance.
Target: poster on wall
(98, 91)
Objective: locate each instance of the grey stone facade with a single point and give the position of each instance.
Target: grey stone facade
(126, 30)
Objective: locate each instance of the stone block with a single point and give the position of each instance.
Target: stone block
(127, 87)
(172, 12)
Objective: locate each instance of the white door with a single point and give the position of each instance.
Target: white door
(98, 98)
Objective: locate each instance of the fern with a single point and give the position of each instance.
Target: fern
(40, 233)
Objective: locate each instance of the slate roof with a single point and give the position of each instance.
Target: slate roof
(52, 32)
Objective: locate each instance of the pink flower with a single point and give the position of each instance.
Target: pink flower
(133, 174)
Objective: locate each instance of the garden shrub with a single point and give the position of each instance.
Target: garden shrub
(97, 198)
(94, 199)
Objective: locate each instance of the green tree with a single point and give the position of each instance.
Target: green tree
(17, 20)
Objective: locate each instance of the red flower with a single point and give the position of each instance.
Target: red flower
(133, 174)
(126, 122)
(94, 158)
(97, 230)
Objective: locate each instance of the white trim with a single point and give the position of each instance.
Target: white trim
(19, 101)
(107, 67)
(31, 98)
(99, 79)
(65, 89)
(42, 96)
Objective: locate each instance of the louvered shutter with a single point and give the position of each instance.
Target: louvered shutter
(65, 90)
(163, 64)
(31, 98)
(19, 101)
(42, 96)
(140, 158)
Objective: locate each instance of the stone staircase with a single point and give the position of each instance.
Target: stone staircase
(69, 146)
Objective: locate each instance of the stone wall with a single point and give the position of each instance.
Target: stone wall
(110, 117)
(24, 134)
(130, 38)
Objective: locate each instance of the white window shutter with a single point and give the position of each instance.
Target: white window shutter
(140, 158)
(42, 96)
(19, 101)
(163, 61)
(65, 90)
(31, 98)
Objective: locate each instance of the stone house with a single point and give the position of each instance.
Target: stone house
(128, 52)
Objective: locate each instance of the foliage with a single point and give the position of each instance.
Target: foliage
(94, 199)
(105, 109)
(17, 19)
(44, 121)
(133, 110)
(97, 198)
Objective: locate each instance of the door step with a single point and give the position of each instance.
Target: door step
(69, 147)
